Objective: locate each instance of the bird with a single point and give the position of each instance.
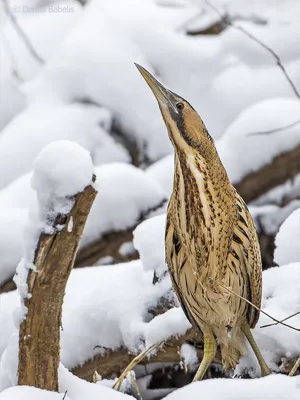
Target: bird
(211, 245)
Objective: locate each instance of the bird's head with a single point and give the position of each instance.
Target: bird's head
(185, 127)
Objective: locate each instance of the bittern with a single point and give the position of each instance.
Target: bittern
(211, 245)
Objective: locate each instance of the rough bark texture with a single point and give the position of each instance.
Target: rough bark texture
(282, 168)
(114, 362)
(39, 349)
(110, 243)
(107, 245)
(7, 286)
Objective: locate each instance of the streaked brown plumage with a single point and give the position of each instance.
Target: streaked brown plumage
(211, 242)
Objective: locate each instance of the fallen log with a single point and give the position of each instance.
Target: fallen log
(113, 362)
(281, 169)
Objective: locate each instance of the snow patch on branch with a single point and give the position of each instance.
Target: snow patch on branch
(61, 170)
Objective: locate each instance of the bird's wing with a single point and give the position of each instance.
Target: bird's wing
(245, 247)
(176, 258)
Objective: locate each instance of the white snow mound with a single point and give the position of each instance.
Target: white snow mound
(287, 240)
(62, 168)
(273, 387)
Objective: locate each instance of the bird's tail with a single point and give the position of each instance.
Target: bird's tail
(233, 349)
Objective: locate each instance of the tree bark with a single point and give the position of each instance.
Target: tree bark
(109, 243)
(39, 337)
(282, 168)
(115, 361)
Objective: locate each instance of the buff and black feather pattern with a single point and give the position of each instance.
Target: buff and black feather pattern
(211, 245)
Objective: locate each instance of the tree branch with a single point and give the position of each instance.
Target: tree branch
(269, 132)
(115, 361)
(21, 33)
(282, 168)
(109, 243)
(39, 336)
(255, 39)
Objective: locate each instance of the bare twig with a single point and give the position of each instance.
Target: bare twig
(65, 395)
(21, 33)
(260, 310)
(282, 128)
(285, 319)
(295, 367)
(12, 58)
(255, 39)
(134, 362)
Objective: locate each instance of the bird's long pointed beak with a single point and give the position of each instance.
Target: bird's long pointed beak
(163, 95)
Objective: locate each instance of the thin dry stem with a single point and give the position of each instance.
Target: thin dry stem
(21, 33)
(295, 367)
(282, 128)
(134, 362)
(285, 319)
(260, 310)
(255, 39)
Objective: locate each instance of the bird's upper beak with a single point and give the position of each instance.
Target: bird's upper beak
(163, 95)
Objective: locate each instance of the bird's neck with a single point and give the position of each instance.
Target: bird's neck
(194, 167)
(202, 193)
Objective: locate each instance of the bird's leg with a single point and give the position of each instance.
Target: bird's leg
(263, 366)
(210, 349)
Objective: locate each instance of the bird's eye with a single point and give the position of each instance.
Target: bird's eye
(179, 106)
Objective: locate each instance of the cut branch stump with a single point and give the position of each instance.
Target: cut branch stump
(39, 337)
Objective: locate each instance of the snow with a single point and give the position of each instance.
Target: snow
(174, 55)
(281, 194)
(55, 183)
(188, 72)
(71, 388)
(54, 171)
(18, 194)
(281, 41)
(37, 23)
(247, 132)
(272, 387)
(120, 316)
(88, 125)
(78, 389)
(11, 241)
(126, 190)
(163, 171)
(226, 100)
(30, 393)
(148, 239)
(88, 93)
(287, 240)
(172, 323)
(38, 27)
(280, 299)
(77, 72)
(123, 310)
(189, 356)
(116, 318)
(270, 217)
(129, 191)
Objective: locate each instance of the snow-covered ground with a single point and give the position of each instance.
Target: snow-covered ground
(72, 104)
